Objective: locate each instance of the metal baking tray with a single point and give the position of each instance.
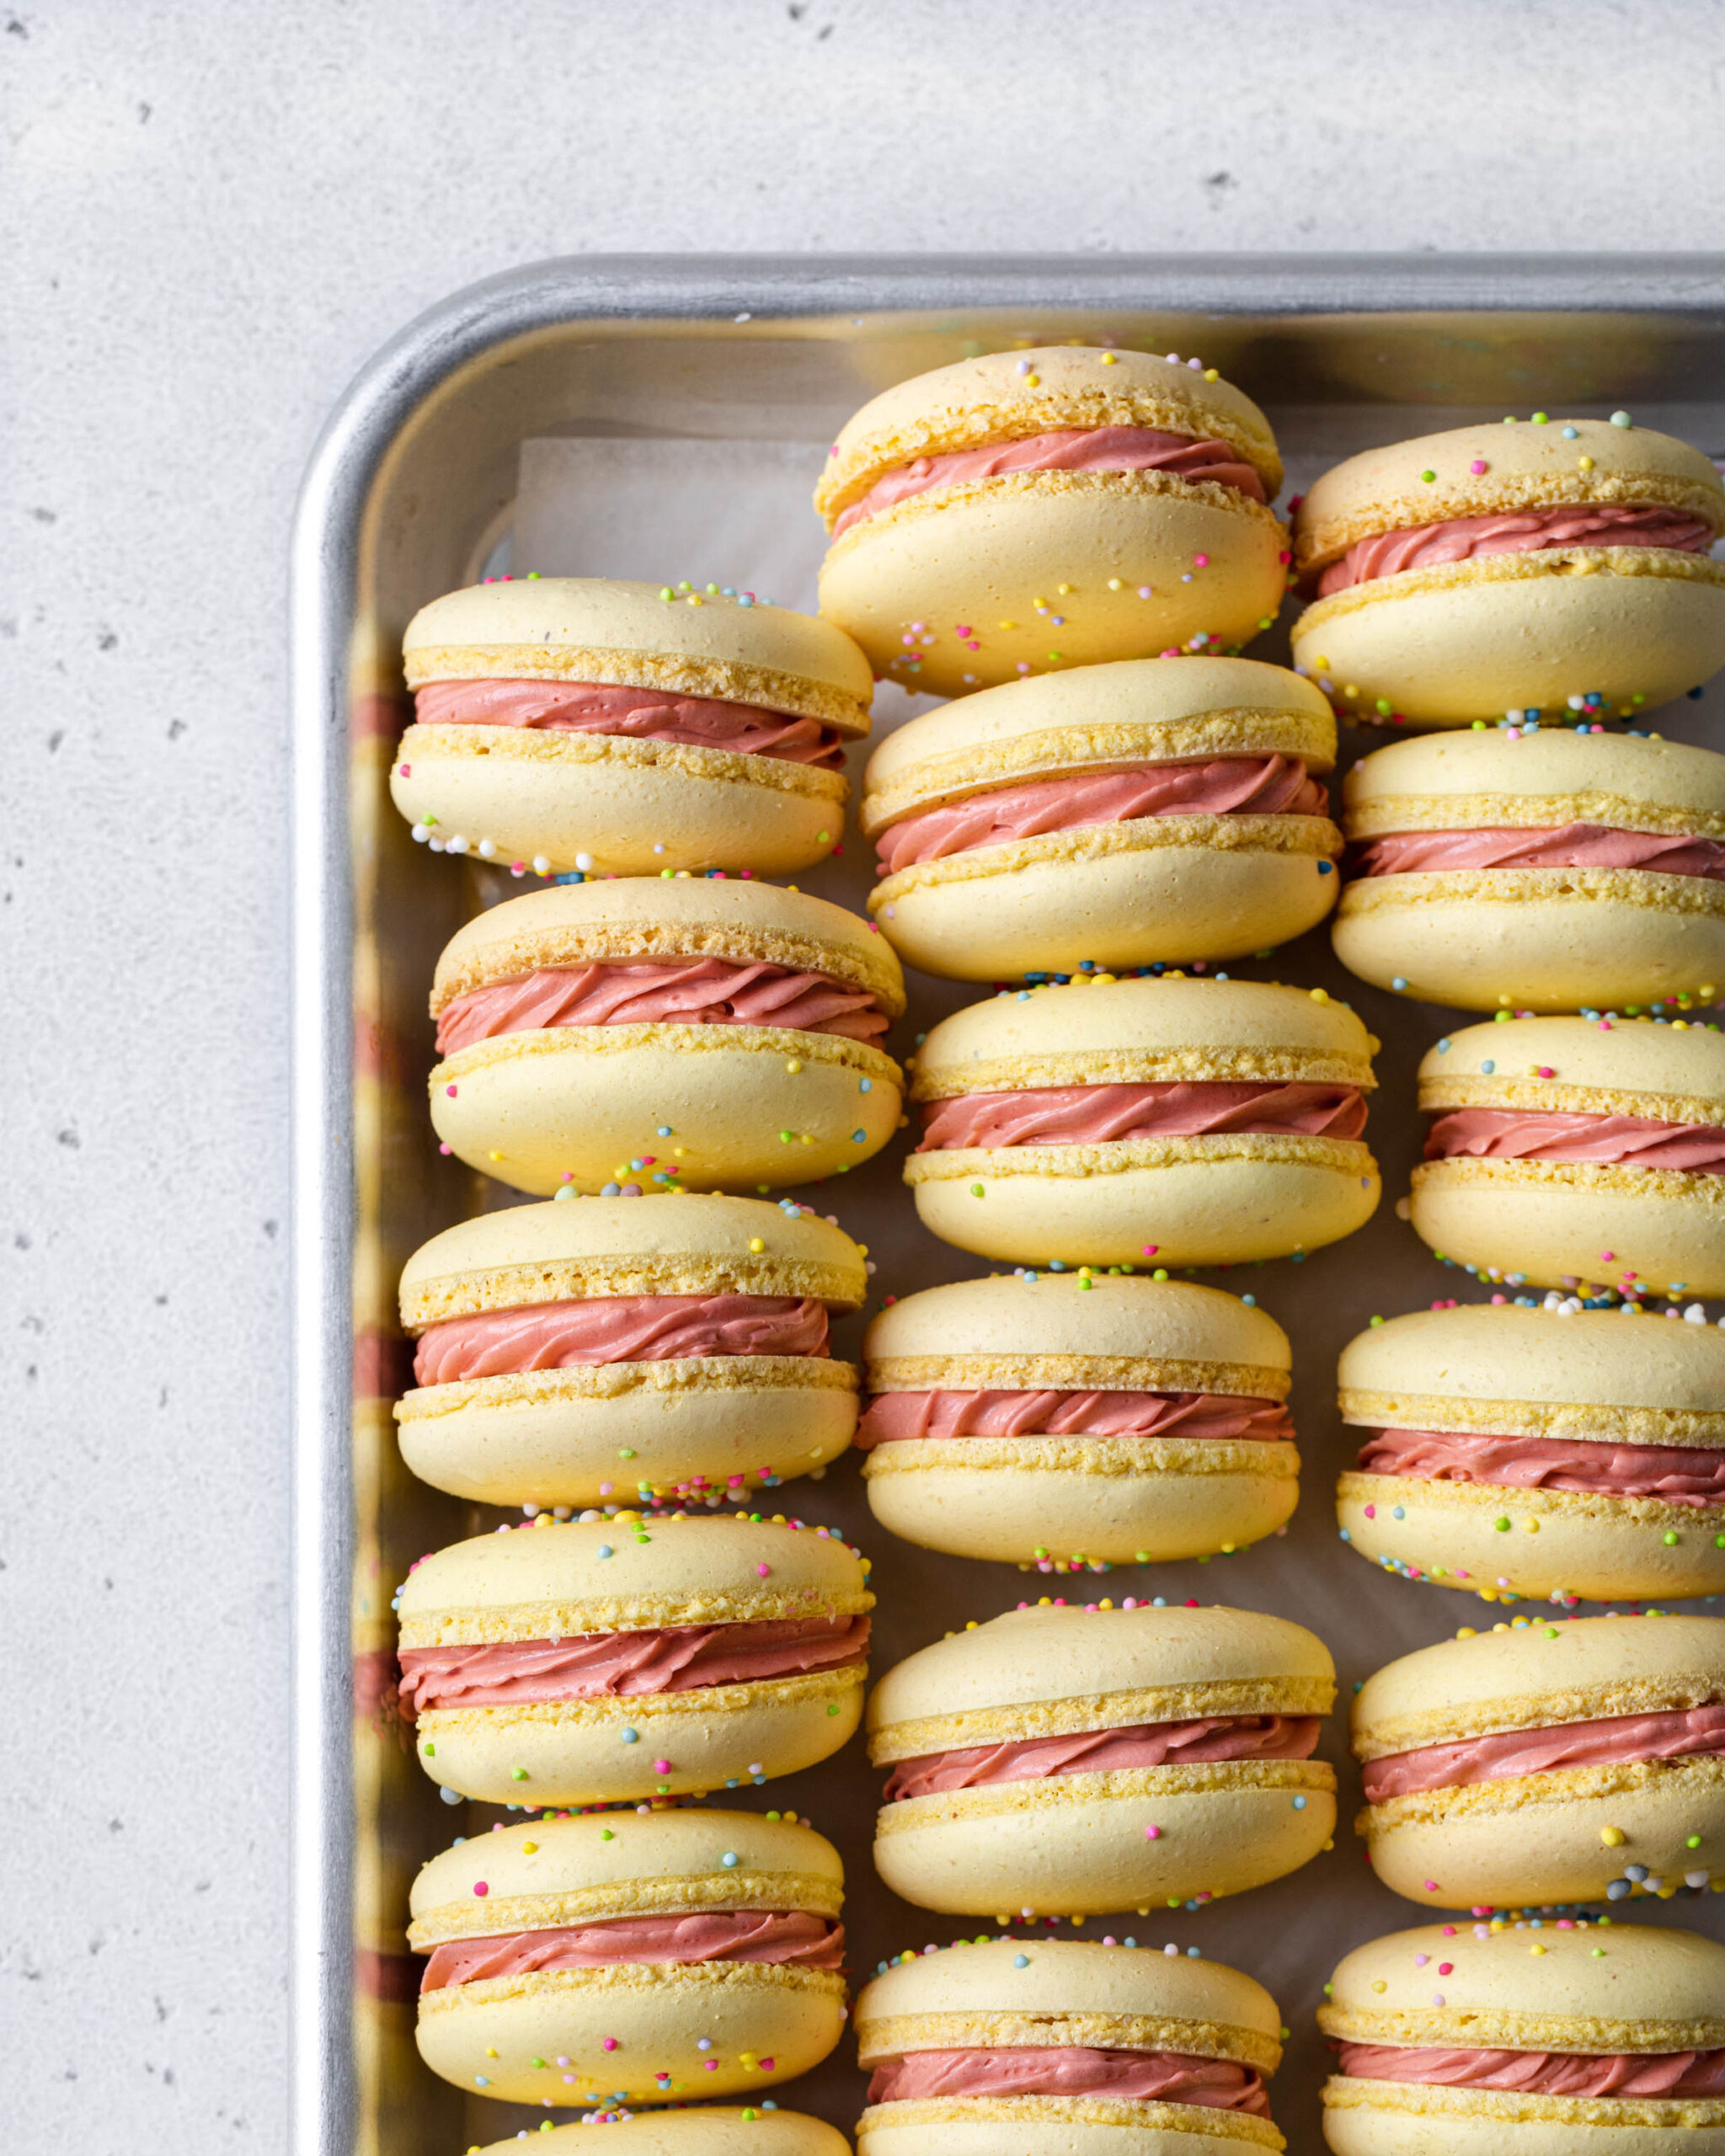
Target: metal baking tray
(409, 495)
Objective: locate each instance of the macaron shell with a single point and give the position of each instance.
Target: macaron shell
(1054, 2125)
(1015, 1499)
(1167, 888)
(985, 553)
(628, 806)
(1200, 1201)
(1144, 1321)
(575, 1436)
(1079, 1845)
(1536, 1838)
(1550, 1222)
(1446, 646)
(1555, 775)
(1602, 1549)
(1384, 2118)
(576, 1103)
(1549, 939)
(578, 1751)
(712, 2130)
(653, 2013)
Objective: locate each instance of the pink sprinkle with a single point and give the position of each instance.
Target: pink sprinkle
(1431, 1885)
(735, 1482)
(1150, 1249)
(767, 2065)
(1200, 561)
(607, 2043)
(480, 1888)
(407, 770)
(445, 1150)
(1478, 466)
(1608, 1255)
(1545, 1070)
(1420, 1961)
(762, 1571)
(1144, 591)
(1152, 1833)
(450, 1090)
(1371, 1511)
(661, 1766)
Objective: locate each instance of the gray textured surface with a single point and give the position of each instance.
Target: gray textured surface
(214, 209)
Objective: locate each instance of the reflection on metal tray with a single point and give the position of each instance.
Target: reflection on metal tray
(409, 493)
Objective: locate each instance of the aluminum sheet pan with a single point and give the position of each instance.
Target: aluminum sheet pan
(412, 492)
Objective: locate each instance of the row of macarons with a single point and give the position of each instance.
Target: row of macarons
(1056, 1763)
(612, 1355)
(700, 1035)
(1555, 2038)
(1142, 811)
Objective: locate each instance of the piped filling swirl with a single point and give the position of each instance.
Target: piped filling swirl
(1269, 785)
(614, 1665)
(663, 991)
(1070, 2070)
(784, 1937)
(1090, 1115)
(897, 1417)
(1202, 1738)
(1540, 2073)
(1632, 1141)
(1566, 846)
(617, 1329)
(1673, 1733)
(1061, 449)
(632, 714)
(1515, 532)
(1675, 1475)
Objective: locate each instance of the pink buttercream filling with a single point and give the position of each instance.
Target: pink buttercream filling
(1515, 532)
(1092, 1115)
(616, 1665)
(666, 991)
(1677, 1475)
(1544, 2074)
(1063, 449)
(1571, 846)
(1070, 2070)
(1226, 786)
(637, 714)
(1105, 1751)
(1677, 1733)
(617, 1329)
(1633, 1141)
(793, 1935)
(892, 1418)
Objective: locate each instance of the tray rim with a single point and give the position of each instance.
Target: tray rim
(730, 292)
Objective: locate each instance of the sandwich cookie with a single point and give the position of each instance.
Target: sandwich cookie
(1187, 1122)
(700, 2130)
(1522, 570)
(1572, 1150)
(1489, 2041)
(1550, 871)
(623, 1959)
(687, 1035)
(1070, 1420)
(1155, 809)
(632, 1657)
(566, 1351)
(1065, 2048)
(581, 723)
(1070, 1761)
(1027, 511)
(1539, 1763)
(1547, 1454)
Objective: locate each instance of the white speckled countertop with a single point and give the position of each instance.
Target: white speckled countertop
(214, 210)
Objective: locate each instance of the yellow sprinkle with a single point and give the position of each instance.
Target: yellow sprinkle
(696, 600)
(1006, 625)
(1379, 1985)
(1032, 382)
(530, 1849)
(1063, 588)
(1535, 1949)
(794, 1066)
(493, 1156)
(1585, 463)
(755, 1244)
(1532, 1526)
(1320, 996)
(1350, 690)
(1614, 1838)
(1107, 359)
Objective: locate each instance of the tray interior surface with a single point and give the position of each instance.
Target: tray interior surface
(431, 510)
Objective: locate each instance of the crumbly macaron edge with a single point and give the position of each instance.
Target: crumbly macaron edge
(1138, 1066)
(580, 1279)
(1591, 1507)
(732, 681)
(1055, 1793)
(1532, 1418)
(636, 1975)
(1197, 2125)
(926, 1734)
(1701, 1777)
(1646, 889)
(1150, 1460)
(558, 750)
(1510, 569)
(891, 2035)
(592, 1381)
(1534, 1706)
(835, 1050)
(1346, 1156)
(1033, 1373)
(1424, 2099)
(1509, 2029)
(1392, 814)
(676, 1895)
(473, 1625)
(815, 1687)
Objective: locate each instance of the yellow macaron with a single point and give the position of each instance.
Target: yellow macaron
(693, 1034)
(1470, 622)
(1180, 1121)
(1421, 2019)
(700, 2130)
(1036, 2037)
(632, 1657)
(1569, 1151)
(1073, 1419)
(1154, 808)
(1556, 1453)
(566, 1352)
(1029, 511)
(1552, 869)
(1540, 1762)
(623, 1959)
(583, 723)
(1070, 1761)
